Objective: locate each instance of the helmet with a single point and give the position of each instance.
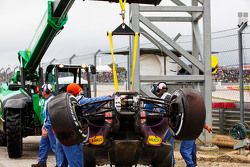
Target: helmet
(156, 87)
(162, 85)
(47, 88)
(74, 89)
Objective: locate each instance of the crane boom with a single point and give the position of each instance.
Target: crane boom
(53, 21)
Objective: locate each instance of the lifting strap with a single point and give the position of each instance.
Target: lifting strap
(123, 29)
(113, 61)
(122, 4)
(136, 38)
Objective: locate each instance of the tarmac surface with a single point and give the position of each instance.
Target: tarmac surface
(218, 158)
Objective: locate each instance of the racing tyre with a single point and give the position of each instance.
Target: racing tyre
(3, 141)
(14, 133)
(89, 157)
(89, 163)
(166, 161)
(64, 120)
(187, 110)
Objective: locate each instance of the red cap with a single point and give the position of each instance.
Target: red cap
(74, 89)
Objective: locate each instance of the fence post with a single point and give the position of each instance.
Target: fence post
(242, 27)
(6, 74)
(94, 77)
(71, 58)
(221, 120)
(52, 61)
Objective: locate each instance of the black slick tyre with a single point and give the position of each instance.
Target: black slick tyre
(65, 124)
(187, 114)
(163, 161)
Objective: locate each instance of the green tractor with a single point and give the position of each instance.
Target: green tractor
(21, 108)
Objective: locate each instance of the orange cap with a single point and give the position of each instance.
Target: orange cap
(74, 89)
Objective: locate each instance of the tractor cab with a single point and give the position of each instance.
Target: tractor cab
(60, 75)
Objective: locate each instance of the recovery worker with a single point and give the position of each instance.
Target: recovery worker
(161, 91)
(73, 155)
(188, 148)
(48, 140)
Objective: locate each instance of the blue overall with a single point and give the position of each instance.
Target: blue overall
(170, 139)
(48, 142)
(73, 155)
(69, 155)
(188, 152)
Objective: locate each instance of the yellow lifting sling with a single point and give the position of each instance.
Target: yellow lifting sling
(122, 5)
(123, 29)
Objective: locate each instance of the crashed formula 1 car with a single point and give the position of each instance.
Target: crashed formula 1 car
(121, 131)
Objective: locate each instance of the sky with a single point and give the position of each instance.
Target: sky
(86, 30)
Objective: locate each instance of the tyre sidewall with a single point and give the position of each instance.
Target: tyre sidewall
(193, 109)
(64, 120)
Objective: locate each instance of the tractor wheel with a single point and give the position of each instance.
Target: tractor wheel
(14, 133)
(3, 141)
(64, 120)
(187, 110)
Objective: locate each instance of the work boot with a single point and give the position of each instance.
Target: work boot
(39, 165)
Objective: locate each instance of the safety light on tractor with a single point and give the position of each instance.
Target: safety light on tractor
(84, 66)
(61, 65)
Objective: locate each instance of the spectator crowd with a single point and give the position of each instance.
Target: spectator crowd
(231, 75)
(107, 77)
